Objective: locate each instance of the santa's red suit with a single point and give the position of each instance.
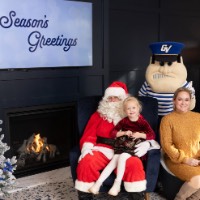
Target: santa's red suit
(88, 170)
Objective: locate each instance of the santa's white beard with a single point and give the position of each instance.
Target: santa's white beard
(111, 111)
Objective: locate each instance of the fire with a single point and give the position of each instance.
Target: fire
(38, 144)
(38, 148)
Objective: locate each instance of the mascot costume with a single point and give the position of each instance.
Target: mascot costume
(166, 73)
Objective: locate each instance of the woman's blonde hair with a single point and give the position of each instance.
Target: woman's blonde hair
(130, 98)
(182, 89)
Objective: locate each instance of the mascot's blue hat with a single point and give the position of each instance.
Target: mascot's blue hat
(166, 48)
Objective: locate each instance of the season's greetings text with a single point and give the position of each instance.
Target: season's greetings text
(36, 39)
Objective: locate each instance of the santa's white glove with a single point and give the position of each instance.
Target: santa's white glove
(191, 89)
(142, 148)
(87, 149)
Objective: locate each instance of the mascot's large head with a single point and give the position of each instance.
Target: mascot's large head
(166, 71)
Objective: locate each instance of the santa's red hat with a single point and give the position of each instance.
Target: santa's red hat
(118, 89)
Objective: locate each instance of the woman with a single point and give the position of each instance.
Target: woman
(180, 141)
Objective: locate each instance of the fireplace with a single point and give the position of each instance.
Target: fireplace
(41, 137)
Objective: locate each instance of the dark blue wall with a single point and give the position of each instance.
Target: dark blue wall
(135, 24)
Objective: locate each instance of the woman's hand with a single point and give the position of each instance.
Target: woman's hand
(191, 161)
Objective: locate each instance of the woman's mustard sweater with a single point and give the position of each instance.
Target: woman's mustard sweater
(180, 139)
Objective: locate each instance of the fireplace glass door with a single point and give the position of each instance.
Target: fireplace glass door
(41, 137)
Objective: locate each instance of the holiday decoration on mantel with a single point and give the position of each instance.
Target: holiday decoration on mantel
(7, 167)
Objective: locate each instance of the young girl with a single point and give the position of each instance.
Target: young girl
(130, 131)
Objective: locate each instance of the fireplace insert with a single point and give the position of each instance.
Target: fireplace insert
(41, 137)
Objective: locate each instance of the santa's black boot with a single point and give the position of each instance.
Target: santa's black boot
(85, 196)
(136, 196)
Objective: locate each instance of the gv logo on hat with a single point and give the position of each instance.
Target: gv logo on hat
(165, 48)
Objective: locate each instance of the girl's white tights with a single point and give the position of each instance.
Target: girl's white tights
(119, 161)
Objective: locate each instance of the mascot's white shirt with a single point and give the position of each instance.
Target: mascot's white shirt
(165, 100)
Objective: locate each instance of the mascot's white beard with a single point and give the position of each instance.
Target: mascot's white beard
(111, 111)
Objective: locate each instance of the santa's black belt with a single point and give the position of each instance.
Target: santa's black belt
(104, 140)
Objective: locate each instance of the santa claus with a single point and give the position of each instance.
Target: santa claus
(96, 151)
